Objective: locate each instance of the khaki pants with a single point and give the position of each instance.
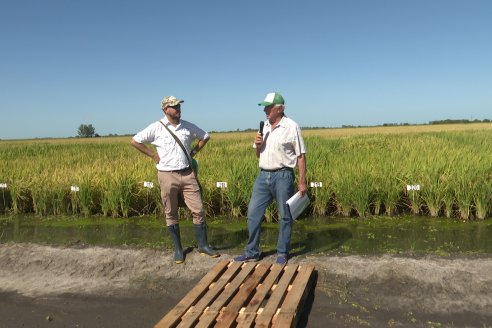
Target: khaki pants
(173, 183)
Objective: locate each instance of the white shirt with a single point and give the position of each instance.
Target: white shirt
(282, 146)
(170, 152)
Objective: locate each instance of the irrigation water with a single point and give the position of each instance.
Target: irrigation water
(370, 236)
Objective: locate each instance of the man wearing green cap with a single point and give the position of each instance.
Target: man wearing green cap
(172, 138)
(280, 148)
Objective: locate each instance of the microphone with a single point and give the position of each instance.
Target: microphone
(262, 123)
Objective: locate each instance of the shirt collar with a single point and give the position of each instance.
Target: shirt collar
(282, 120)
(167, 123)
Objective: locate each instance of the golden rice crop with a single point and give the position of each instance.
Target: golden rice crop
(364, 171)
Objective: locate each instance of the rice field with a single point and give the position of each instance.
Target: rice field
(362, 171)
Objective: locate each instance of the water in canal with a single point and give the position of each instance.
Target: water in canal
(378, 235)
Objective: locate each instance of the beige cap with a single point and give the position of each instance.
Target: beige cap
(170, 101)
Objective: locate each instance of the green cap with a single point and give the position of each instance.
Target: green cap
(273, 98)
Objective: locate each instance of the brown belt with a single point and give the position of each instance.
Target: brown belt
(179, 171)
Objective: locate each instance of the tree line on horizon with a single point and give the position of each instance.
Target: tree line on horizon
(88, 130)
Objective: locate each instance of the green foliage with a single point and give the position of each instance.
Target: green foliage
(86, 131)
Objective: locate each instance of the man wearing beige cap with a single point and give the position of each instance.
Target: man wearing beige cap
(173, 138)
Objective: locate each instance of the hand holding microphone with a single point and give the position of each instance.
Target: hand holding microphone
(259, 136)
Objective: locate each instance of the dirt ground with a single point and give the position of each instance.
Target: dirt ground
(43, 286)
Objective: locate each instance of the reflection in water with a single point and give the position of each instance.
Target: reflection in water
(322, 240)
(410, 235)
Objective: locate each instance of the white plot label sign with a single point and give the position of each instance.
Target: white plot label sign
(3, 186)
(316, 184)
(148, 184)
(74, 188)
(222, 184)
(413, 187)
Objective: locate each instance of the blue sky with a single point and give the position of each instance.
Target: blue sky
(345, 62)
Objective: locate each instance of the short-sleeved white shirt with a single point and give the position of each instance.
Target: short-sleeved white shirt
(171, 154)
(282, 146)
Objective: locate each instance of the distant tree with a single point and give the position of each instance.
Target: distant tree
(86, 131)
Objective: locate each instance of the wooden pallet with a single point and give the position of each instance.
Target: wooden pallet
(235, 294)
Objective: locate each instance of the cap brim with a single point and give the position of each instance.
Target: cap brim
(264, 103)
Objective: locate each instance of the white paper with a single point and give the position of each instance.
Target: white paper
(297, 204)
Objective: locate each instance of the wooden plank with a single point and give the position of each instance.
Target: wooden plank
(230, 313)
(172, 318)
(190, 318)
(246, 320)
(294, 301)
(233, 292)
(265, 318)
(208, 318)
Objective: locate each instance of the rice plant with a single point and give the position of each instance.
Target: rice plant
(363, 171)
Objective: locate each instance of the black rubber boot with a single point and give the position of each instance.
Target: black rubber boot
(201, 238)
(178, 250)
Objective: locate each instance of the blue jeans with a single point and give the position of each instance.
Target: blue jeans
(269, 186)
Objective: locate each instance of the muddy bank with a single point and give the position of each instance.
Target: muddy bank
(119, 287)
